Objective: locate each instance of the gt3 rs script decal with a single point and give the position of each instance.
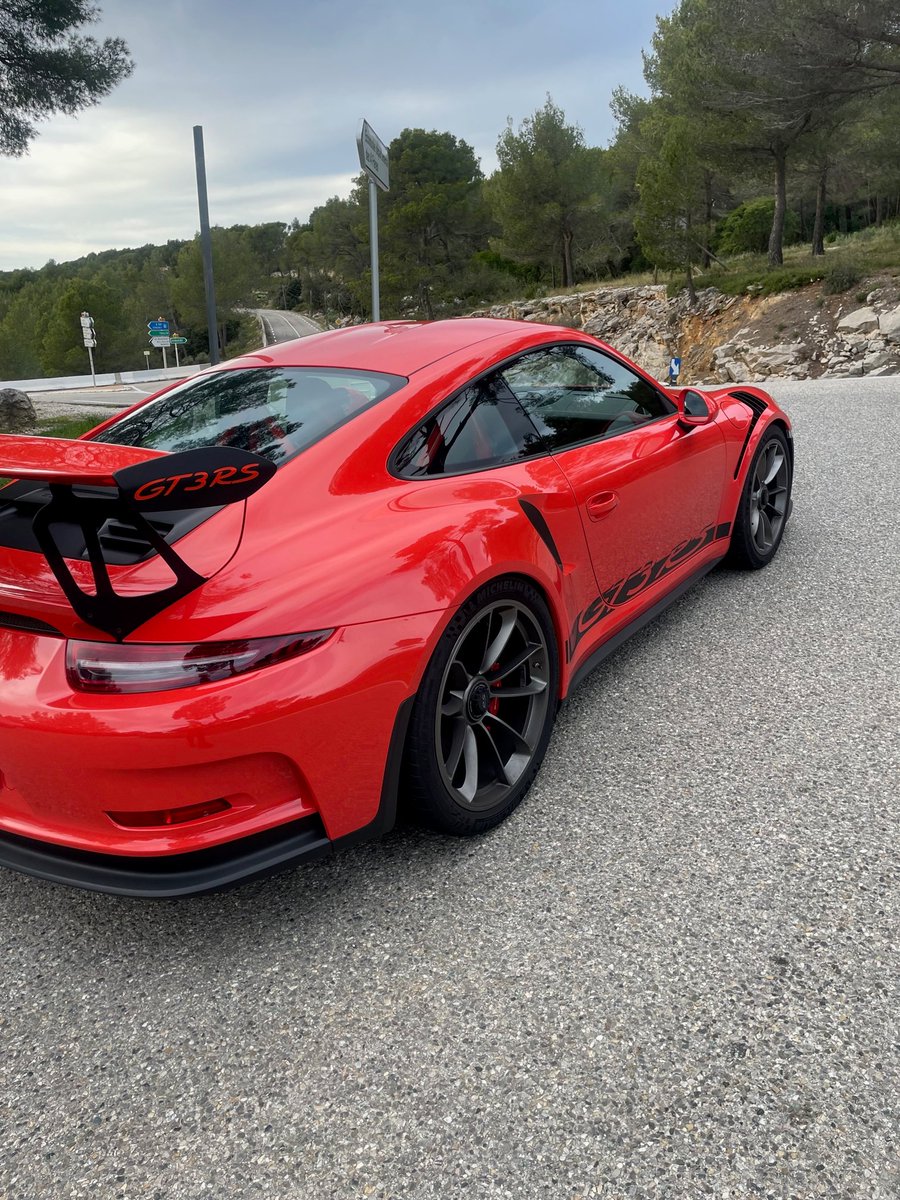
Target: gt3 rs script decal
(632, 585)
(210, 475)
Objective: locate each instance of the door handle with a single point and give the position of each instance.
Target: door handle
(601, 505)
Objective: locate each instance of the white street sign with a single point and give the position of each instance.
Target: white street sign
(373, 155)
(89, 341)
(86, 322)
(161, 343)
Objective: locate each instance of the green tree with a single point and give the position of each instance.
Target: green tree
(435, 217)
(746, 229)
(672, 191)
(46, 67)
(330, 255)
(24, 325)
(62, 352)
(771, 73)
(545, 193)
(236, 276)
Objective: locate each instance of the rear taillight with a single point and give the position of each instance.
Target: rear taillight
(123, 668)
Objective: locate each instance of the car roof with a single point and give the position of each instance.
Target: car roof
(395, 347)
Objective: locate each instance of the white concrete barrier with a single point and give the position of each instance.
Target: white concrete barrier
(81, 382)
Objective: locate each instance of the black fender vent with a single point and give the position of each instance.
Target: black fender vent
(27, 625)
(757, 408)
(123, 543)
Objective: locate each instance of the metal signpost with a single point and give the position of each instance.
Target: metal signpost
(159, 336)
(373, 158)
(89, 337)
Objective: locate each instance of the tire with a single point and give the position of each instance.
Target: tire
(765, 504)
(484, 712)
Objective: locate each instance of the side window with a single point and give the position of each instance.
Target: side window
(575, 394)
(482, 426)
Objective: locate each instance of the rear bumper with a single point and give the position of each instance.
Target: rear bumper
(172, 875)
(217, 868)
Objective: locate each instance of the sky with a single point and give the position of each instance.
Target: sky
(279, 87)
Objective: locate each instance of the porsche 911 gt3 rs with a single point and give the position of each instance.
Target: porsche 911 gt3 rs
(242, 620)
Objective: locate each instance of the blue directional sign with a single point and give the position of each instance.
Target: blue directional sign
(158, 326)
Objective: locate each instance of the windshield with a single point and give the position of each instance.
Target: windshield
(272, 411)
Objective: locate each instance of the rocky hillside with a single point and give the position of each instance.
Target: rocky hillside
(801, 334)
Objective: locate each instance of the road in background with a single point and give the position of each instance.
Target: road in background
(279, 326)
(88, 402)
(672, 973)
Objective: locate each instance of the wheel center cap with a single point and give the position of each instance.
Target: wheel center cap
(478, 700)
(763, 496)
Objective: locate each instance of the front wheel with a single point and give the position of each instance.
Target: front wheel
(484, 713)
(764, 505)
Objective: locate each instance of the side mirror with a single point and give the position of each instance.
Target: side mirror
(694, 410)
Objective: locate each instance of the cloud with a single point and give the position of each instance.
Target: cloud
(279, 88)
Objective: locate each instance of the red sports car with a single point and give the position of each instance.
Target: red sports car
(243, 620)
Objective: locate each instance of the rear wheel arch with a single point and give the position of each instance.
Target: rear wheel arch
(452, 782)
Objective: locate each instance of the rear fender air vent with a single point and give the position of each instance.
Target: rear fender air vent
(27, 625)
(123, 543)
(757, 408)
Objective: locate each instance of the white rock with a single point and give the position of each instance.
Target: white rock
(878, 359)
(860, 320)
(889, 323)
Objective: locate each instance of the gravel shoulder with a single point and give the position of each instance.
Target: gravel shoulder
(673, 973)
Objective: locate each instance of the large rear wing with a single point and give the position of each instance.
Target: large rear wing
(91, 482)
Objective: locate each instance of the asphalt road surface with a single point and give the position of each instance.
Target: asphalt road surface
(281, 326)
(673, 973)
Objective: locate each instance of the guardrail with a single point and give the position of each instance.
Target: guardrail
(108, 379)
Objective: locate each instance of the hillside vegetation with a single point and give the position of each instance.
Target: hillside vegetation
(763, 159)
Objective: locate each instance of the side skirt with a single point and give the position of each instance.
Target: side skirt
(609, 647)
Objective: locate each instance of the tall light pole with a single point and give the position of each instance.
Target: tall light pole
(206, 246)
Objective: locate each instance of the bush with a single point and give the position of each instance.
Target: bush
(840, 277)
(746, 230)
(767, 283)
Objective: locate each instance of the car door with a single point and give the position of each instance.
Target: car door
(645, 487)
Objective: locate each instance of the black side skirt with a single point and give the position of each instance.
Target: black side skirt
(609, 647)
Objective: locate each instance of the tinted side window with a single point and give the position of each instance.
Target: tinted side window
(575, 394)
(481, 427)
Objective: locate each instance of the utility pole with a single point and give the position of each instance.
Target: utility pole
(206, 246)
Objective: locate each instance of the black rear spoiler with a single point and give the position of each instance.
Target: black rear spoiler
(141, 481)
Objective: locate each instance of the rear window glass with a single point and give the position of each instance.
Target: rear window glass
(272, 411)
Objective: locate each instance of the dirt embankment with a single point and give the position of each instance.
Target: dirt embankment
(799, 334)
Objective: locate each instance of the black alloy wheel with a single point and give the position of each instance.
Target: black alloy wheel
(485, 710)
(765, 503)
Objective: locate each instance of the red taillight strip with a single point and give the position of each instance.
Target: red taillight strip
(128, 668)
